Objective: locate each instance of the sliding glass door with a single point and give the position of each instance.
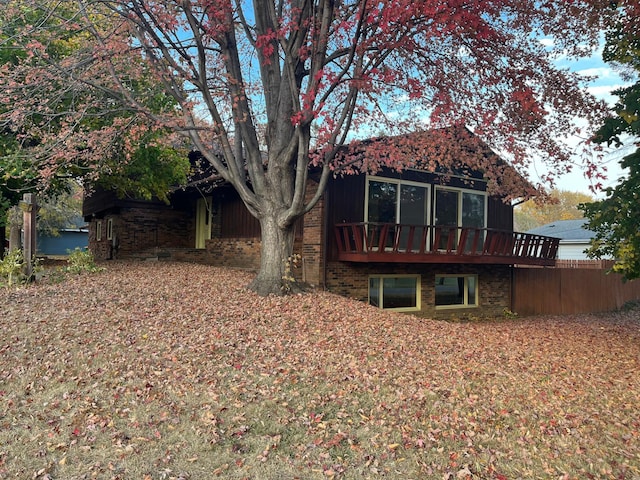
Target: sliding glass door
(395, 202)
(459, 208)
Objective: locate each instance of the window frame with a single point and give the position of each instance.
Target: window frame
(399, 182)
(465, 303)
(460, 207)
(461, 192)
(110, 229)
(98, 230)
(418, 292)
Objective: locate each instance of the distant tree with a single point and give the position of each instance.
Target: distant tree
(259, 85)
(559, 205)
(616, 219)
(55, 212)
(61, 211)
(127, 157)
(152, 171)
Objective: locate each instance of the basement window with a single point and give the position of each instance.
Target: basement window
(455, 291)
(395, 292)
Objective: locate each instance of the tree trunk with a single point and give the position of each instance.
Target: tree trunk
(275, 276)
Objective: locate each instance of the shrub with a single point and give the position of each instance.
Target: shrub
(12, 268)
(81, 260)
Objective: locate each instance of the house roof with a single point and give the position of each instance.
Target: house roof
(449, 150)
(565, 230)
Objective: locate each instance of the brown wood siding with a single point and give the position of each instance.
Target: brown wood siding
(344, 204)
(97, 202)
(499, 214)
(101, 202)
(346, 199)
(236, 221)
(564, 291)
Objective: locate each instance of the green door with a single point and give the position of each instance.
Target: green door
(203, 221)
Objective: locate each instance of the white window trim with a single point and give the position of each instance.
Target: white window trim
(398, 182)
(463, 190)
(466, 292)
(418, 278)
(98, 230)
(110, 229)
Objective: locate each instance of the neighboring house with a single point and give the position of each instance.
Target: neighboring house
(574, 237)
(75, 235)
(415, 241)
(68, 240)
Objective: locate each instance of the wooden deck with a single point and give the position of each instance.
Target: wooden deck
(395, 243)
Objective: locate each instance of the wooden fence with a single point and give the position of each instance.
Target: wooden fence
(598, 264)
(560, 291)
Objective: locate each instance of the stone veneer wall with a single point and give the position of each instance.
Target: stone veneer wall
(494, 285)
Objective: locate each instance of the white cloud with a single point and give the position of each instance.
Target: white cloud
(603, 92)
(599, 72)
(605, 80)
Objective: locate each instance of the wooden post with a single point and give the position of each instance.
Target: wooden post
(14, 219)
(29, 209)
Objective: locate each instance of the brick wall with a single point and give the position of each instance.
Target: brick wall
(138, 230)
(234, 252)
(312, 249)
(241, 253)
(494, 285)
(102, 250)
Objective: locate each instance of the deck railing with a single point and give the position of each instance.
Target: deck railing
(388, 242)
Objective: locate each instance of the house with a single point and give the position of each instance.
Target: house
(74, 235)
(574, 237)
(437, 244)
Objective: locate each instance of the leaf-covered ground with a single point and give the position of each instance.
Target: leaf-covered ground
(175, 371)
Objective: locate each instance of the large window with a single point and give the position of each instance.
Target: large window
(458, 208)
(395, 202)
(456, 291)
(398, 292)
(401, 209)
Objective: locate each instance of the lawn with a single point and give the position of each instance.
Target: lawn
(175, 371)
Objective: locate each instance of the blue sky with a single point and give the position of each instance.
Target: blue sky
(607, 80)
